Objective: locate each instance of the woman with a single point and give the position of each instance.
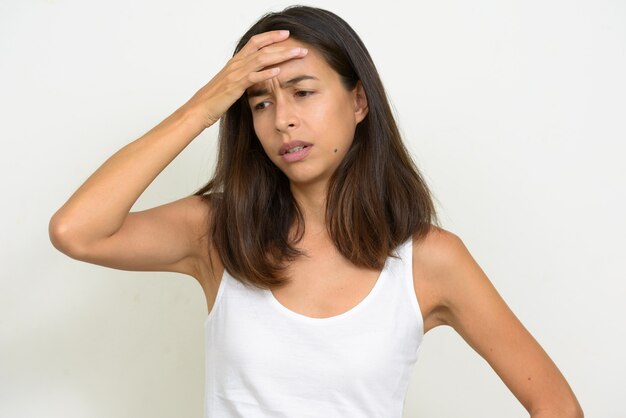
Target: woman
(316, 241)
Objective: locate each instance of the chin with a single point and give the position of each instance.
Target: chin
(307, 179)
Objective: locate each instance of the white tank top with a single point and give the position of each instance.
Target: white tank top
(265, 360)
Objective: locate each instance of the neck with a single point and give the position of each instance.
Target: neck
(312, 201)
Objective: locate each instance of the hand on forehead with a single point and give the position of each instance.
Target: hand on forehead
(292, 71)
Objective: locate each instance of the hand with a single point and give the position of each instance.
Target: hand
(241, 71)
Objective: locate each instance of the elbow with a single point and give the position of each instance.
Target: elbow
(63, 238)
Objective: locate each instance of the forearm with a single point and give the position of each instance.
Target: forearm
(98, 208)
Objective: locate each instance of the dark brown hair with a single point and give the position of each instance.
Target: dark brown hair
(376, 199)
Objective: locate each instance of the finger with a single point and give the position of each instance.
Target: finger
(263, 59)
(260, 76)
(261, 40)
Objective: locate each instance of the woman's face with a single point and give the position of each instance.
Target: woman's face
(306, 102)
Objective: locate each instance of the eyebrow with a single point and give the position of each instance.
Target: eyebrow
(263, 91)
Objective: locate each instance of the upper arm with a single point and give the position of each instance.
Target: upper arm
(473, 307)
(171, 237)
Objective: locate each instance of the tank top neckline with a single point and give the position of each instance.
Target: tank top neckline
(352, 311)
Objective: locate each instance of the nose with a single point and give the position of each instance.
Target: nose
(286, 117)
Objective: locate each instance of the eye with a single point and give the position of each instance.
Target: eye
(299, 93)
(258, 107)
(306, 93)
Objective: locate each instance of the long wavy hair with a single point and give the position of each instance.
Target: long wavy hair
(376, 199)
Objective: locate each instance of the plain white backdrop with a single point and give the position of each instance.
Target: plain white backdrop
(513, 110)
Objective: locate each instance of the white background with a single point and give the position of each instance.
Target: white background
(513, 110)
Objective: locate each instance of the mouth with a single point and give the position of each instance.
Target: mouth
(293, 147)
(296, 149)
(296, 154)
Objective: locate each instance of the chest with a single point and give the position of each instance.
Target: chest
(325, 285)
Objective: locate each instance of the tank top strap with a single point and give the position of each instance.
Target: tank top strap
(409, 281)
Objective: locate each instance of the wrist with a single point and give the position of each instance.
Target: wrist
(193, 118)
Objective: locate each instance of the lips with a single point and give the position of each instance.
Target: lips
(289, 145)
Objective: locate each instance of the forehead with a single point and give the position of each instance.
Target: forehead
(313, 64)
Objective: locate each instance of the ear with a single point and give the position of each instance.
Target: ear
(360, 102)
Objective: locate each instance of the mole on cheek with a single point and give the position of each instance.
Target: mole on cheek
(335, 149)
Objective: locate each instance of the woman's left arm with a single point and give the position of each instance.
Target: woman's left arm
(474, 308)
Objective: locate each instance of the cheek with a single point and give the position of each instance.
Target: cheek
(257, 126)
(260, 129)
(320, 113)
(343, 126)
(260, 137)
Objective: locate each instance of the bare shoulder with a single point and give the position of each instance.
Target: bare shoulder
(435, 256)
(437, 246)
(199, 214)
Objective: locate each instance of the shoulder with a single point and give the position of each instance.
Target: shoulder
(198, 211)
(439, 248)
(199, 214)
(194, 215)
(441, 262)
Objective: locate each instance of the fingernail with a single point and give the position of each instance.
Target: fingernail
(284, 32)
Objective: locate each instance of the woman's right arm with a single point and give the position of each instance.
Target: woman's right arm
(95, 224)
